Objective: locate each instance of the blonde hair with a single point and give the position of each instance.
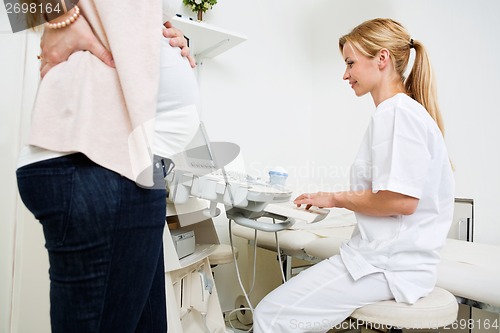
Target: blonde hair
(371, 36)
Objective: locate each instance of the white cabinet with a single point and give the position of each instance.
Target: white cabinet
(462, 226)
(470, 319)
(192, 299)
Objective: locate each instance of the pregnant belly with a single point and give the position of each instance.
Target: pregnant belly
(176, 117)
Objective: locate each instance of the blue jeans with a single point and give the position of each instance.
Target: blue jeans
(103, 234)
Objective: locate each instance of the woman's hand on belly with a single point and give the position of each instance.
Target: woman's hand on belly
(177, 39)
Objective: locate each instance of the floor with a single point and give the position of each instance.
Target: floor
(345, 327)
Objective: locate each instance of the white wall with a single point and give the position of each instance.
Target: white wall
(460, 36)
(258, 94)
(280, 96)
(8, 198)
(24, 291)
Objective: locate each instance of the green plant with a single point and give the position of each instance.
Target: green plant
(199, 5)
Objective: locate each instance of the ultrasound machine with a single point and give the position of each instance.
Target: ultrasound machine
(199, 171)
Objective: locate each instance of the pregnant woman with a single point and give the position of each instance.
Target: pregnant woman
(87, 172)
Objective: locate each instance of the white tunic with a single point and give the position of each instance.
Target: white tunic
(177, 118)
(402, 151)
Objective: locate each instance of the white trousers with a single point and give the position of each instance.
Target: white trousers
(318, 299)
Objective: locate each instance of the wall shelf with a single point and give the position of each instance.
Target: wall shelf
(205, 40)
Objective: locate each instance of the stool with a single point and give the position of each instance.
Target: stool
(223, 254)
(438, 309)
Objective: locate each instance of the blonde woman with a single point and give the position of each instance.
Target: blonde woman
(402, 191)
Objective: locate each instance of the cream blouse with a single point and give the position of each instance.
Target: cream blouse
(108, 114)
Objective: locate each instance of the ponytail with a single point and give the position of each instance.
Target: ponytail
(421, 84)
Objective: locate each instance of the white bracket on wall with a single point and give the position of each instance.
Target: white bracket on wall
(205, 40)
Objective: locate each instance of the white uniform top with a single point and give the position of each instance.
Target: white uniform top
(402, 151)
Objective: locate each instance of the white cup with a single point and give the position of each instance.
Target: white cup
(277, 178)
